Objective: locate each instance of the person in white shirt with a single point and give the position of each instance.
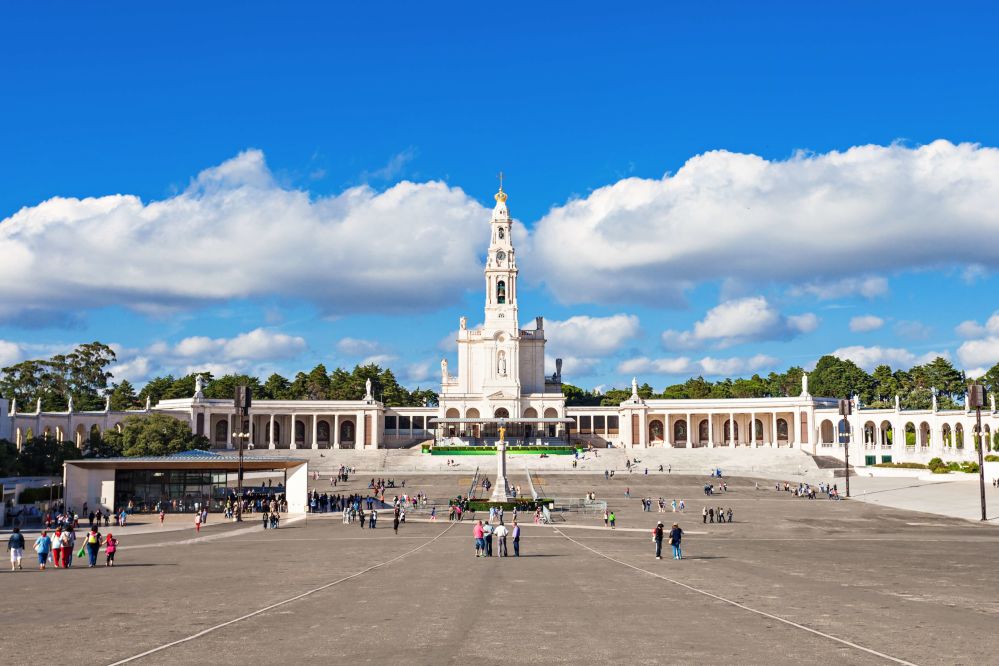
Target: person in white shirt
(501, 533)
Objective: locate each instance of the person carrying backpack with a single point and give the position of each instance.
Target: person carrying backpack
(93, 543)
(657, 538)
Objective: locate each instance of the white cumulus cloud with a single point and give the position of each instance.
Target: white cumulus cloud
(707, 366)
(866, 323)
(236, 233)
(814, 221)
(737, 321)
(595, 336)
(983, 350)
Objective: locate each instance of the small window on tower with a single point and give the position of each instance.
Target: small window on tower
(501, 292)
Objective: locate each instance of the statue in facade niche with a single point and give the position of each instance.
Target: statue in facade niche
(502, 364)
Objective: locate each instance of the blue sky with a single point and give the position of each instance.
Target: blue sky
(703, 187)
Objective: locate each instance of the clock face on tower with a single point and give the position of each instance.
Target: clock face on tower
(501, 255)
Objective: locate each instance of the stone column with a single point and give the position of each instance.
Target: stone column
(731, 429)
(359, 431)
(752, 429)
(690, 427)
(293, 439)
(499, 486)
(270, 433)
(711, 430)
(315, 431)
(210, 430)
(253, 430)
(336, 431)
(232, 430)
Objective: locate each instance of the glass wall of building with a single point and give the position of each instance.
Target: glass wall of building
(179, 490)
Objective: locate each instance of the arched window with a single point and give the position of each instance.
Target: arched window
(735, 427)
(501, 292)
(347, 431)
(781, 429)
(501, 413)
(95, 434)
(655, 430)
(680, 431)
(221, 431)
(827, 432)
(759, 431)
(323, 431)
(702, 431)
(299, 432)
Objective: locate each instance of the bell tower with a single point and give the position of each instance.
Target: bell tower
(501, 272)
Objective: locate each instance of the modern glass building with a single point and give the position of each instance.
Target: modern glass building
(182, 482)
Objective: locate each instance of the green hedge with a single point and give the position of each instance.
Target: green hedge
(991, 458)
(902, 465)
(491, 450)
(520, 505)
(938, 466)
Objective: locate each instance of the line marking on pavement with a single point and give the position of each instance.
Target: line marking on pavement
(280, 603)
(777, 618)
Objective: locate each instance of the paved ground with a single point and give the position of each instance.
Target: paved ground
(791, 580)
(955, 496)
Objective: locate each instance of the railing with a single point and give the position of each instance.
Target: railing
(475, 482)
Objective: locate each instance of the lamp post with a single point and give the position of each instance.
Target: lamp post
(976, 399)
(845, 408)
(242, 401)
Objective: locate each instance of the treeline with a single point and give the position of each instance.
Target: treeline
(84, 375)
(831, 378)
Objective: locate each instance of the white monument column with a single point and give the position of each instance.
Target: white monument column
(731, 429)
(752, 429)
(499, 487)
(773, 430)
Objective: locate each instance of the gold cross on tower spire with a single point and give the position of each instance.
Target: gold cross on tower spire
(501, 195)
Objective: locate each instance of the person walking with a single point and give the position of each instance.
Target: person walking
(487, 535)
(374, 519)
(704, 515)
(110, 548)
(606, 518)
(613, 520)
(501, 533)
(55, 547)
(15, 544)
(480, 544)
(675, 535)
(197, 522)
(516, 539)
(162, 516)
(657, 538)
(395, 522)
(93, 544)
(43, 546)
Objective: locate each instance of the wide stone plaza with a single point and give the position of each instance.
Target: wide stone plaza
(791, 579)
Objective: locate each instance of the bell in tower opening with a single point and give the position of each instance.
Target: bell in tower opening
(501, 292)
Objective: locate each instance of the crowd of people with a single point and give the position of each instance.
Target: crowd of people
(675, 505)
(485, 532)
(57, 547)
(710, 514)
(807, 490)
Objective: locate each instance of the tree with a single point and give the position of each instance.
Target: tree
(991, 379)
(123, 396)
(276, 388)
(835, 378)
(577, 397)
(158, 435)
(44, 457)
(884, 386)
(224, 387)
(8, 458)
(155, 389)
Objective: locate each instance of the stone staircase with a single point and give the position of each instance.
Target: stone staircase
(781, 464)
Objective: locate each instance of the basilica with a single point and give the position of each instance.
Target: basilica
(500, 382)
